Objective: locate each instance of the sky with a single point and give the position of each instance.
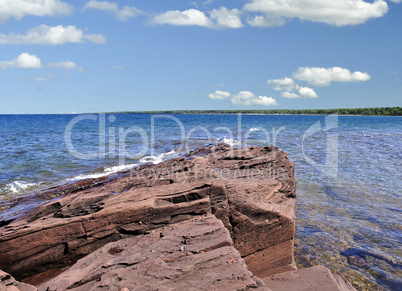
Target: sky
(59, 56)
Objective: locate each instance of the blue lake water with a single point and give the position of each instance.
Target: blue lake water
(348, 170)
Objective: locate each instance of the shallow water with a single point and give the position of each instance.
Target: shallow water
(348, 170)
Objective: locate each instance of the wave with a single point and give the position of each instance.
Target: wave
(118, 168)
(19, 186)
(106, 172)
(254, 129)
(156, 159)
(231, 142)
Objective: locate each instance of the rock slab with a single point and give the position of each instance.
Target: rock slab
(251, 190)
(8, 283)
(196, 254)
(316, 278)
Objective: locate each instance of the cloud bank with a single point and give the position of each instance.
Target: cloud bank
(20, 8)
(268, 13)
(218, 18)
(55, 35)
(245, 98)
(338, 13)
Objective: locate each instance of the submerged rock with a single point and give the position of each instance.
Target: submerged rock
(315, 278)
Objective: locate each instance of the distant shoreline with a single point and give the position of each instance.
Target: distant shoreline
(369, 111)
(375, 111)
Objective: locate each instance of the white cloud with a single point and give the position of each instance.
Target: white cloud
(66, 65)
(396, 1)
(219, 18)
(262, 21)
(307, 92)
(227, 18)
(284, 84)
(247, 98)
(217, 95)
(186, 17)
(303, 92)
(324, 76)
(55, 35)
(96, 38)
(101, 5)
(20, 8)
(339, 12)
(127, 12)
(121, 14)
(290, 95)
(24, 61)
(28, 61)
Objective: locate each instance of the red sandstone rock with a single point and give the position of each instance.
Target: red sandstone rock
(196, 254)
(251, 190)
(8, 283)
(316, 278)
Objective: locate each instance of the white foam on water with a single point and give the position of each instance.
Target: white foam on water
(156, 159)
(18, 186)
(118, 168)
(231, 142)
(255, 129)
(106, 172)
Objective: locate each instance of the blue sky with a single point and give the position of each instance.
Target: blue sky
(60, 56)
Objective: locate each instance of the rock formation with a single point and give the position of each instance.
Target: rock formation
(150, 218)
(196, 254)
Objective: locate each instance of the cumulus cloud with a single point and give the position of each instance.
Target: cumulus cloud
(23, 61)
(302, 92)
(290, 95)
(217, 95)
(227, 18)
(314, 76)
(20, 8)
(51, 35)
(307, 92)
(287, 84)
(219, 18)
(338, 13)
(324, 76)
(28, 61)
(247, 98)
(186, 17)
(121, 14)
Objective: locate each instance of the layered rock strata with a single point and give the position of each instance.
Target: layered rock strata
(196, 254)
(251, 190)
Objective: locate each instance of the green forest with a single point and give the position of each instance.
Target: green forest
(379, 111)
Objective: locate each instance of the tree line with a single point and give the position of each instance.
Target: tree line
(379, 111)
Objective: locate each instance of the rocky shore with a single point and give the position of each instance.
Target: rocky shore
(219, 218)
